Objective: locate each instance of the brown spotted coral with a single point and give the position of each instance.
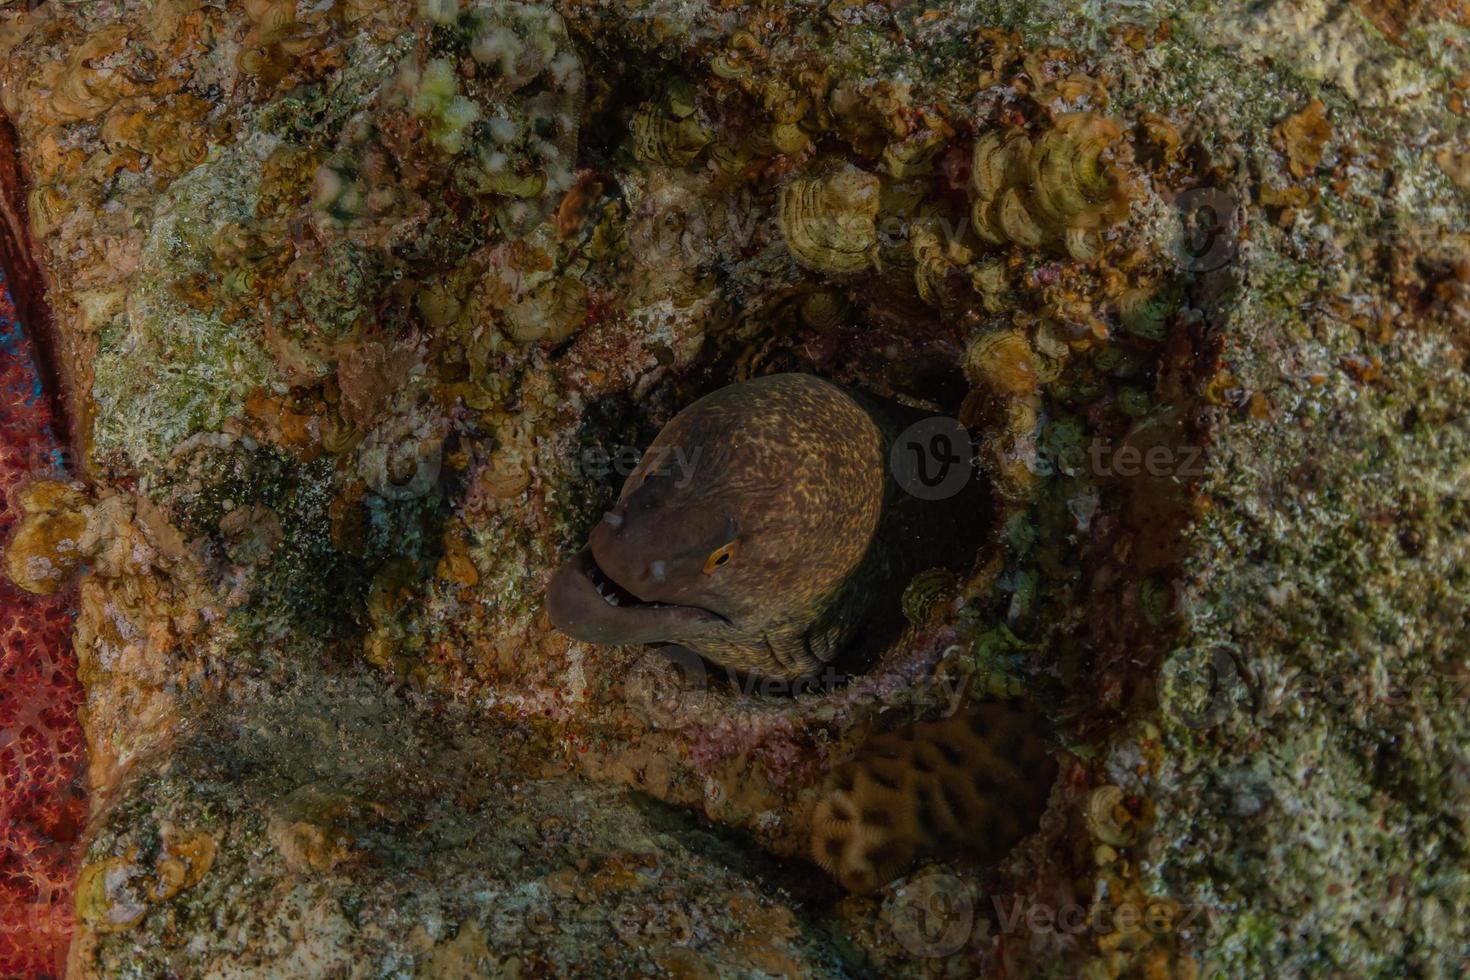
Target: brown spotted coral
(974, 783)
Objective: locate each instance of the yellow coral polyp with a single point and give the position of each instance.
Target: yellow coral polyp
(830, 222)
(46, 204)
(742, 51)
(662, 137)
(114, 894)
(1059, 190)
(437, 101)
(86, 86)
(823, 309)
(1076, 184)
(553, 311)
(914, 155)
(1002, 362)
(104, 896)
(47, 545)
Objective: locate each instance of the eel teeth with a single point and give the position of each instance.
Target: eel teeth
(614, 594)
(604, 587)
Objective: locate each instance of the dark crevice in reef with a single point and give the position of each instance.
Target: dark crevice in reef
(619, 79)
(733, 847)
(614, 432)
(1134, 575)
(26, 280)
(955, 533)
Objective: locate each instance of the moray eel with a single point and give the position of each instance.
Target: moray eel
(764, 530)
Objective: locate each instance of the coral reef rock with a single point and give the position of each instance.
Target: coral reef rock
(360, 314)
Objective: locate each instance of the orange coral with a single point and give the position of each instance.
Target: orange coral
(1303, 137)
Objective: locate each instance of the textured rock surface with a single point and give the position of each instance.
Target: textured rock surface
(351, 835)
(356, 299)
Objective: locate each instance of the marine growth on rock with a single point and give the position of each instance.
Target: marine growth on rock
(530, 484)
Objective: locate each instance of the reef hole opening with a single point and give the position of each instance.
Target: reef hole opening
(918, 369)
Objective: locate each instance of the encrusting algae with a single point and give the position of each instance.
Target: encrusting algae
(47, 545)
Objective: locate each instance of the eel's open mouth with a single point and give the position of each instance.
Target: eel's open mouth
(612, 593)
(585, 603)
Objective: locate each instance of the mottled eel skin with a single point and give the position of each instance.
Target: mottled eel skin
(764, 530)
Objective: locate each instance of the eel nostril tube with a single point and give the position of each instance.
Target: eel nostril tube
(659, 571)
(613, 519)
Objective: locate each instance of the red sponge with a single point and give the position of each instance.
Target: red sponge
(42, 780)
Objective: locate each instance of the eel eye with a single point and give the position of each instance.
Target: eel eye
(719, 557)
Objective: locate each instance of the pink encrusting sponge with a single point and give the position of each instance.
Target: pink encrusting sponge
(42, 753)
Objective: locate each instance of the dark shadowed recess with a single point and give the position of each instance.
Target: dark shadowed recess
(20, 262)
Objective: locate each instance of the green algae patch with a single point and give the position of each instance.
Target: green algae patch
(172, 368)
